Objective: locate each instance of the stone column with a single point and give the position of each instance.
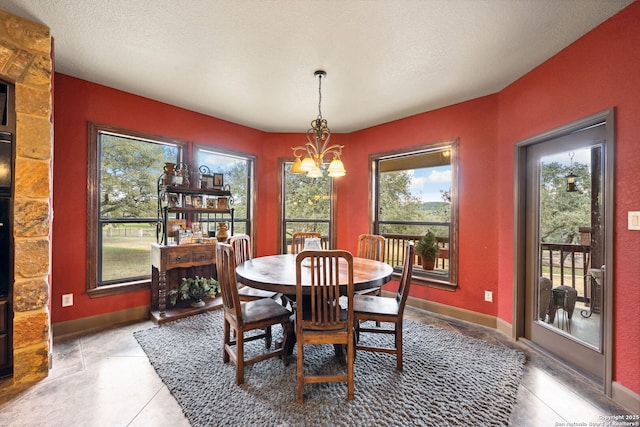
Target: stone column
(25, 59)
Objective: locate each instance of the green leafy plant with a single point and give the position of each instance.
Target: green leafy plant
(427, 246)
(194, 288)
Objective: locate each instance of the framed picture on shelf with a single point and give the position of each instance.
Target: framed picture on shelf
(187, 201)
(218, 181)
(212, 203)
(197, 201)
(206, 181)
(223, 203)
(173, 200)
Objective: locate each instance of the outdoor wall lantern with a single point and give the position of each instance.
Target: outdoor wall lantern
(571, 178)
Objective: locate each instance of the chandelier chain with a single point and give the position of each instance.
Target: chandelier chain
(319, 96)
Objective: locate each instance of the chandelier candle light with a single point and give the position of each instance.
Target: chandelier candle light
(317, 146)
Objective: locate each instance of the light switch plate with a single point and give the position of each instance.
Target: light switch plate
(67, 300)
(634, 220)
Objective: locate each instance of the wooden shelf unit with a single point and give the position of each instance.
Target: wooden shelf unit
(169, 264)
(173, 199)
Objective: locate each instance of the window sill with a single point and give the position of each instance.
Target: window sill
(434, 283)
(431, 282)
(120, 288)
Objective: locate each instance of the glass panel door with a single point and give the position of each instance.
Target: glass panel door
(565, 247)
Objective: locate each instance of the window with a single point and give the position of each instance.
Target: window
(416, 191)
(124, 167)
(237, 170)
(307, 205)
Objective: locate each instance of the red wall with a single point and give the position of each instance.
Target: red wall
(78, 102)
(278, 146)
(474, 123)
(599, 71)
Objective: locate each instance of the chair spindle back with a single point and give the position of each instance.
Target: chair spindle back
(322, 275)
(226, 268)
(371, 246)
(241, 247)
(405, 279)
(297, 240)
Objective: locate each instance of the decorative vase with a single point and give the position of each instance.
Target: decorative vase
(184, 173)
(169, 174)
(428, 263)
(222, 232)
(198, 303)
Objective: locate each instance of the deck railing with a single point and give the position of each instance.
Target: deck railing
(395, 245)
(566, 264)
(324, 242)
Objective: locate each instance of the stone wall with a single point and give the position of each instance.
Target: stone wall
(25, 59)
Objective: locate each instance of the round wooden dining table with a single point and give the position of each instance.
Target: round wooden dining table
(277, 273)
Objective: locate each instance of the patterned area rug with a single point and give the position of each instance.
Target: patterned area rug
(448, 380)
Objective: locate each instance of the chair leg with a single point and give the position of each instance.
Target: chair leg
(287, 332)
(226, 340)
(240, 357)
(267, 337)
(399, 345)
(299, 373)
(378, 294)
(350, 358)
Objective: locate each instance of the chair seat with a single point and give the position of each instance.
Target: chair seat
(375, 305)
(249, 293)
(256, 312)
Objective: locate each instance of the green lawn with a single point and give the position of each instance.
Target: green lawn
(126, 257)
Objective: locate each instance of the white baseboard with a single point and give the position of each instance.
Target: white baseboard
(625, 397)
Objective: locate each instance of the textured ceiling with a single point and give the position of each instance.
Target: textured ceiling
(252, 62)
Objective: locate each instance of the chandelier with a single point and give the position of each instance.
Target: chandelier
(317, 146)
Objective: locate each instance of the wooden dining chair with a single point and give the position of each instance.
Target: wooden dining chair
(371, 246)
(297, 240)
(242, 249)
(319, 317)
(241, 244)
(247, 316)
(384, 309)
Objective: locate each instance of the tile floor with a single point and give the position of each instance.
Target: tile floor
(105, 379)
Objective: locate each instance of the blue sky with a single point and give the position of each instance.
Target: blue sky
(427, 183)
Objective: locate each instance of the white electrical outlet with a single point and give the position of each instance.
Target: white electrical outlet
(67, 300)
(634, 220)
(488, 296)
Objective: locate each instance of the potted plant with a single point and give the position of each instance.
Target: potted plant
(428, 249)
(195, 288)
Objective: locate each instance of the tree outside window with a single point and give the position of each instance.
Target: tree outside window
(123, 190)
(237, 172)
(415, 191)
(306, 206)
